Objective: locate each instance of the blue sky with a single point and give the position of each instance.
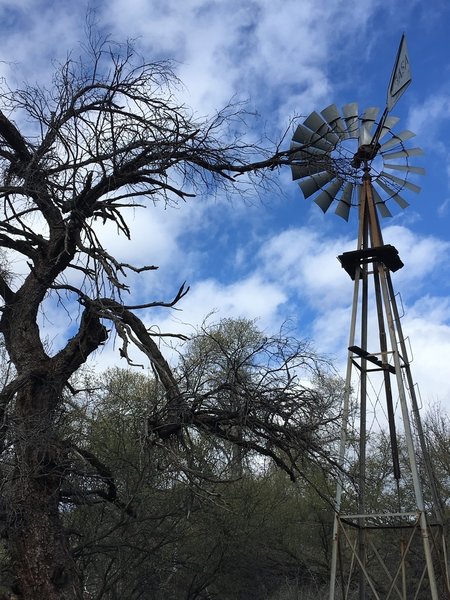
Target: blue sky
(273, 257)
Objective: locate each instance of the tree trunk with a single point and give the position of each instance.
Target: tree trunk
(40, 556)
(37, 542)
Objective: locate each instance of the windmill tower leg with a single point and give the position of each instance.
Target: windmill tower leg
(357, 556)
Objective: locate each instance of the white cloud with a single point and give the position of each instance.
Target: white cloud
(428, 120)
(422, 255)
(37, 33)
(331, 331)
(252, 297)
(305, 261)
(427, 325)
(273, 53)
(443, 208)
(154, 233)
(425, 119)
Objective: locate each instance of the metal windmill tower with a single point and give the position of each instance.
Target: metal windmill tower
(388, 537)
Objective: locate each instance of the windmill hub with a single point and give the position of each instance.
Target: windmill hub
(365, 153)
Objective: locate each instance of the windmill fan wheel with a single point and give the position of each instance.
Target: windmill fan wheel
(333, 151)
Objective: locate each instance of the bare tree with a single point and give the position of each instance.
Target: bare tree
(260, 395)
(108, 134)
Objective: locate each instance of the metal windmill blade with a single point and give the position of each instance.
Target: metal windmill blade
(402, 183)
(333, 117)
(321, 128)
(393, 194)
(330, 171)
(367, 122)
(389, 123)
(313, 183)
(397, 139)
(325, 198)
(306, 136)
(345, 203)
(350, 112)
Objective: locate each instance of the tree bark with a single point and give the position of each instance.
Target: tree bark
(37, 542)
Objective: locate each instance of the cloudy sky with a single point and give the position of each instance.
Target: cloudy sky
(273, 258)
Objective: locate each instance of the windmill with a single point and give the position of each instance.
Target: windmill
(352, 160)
